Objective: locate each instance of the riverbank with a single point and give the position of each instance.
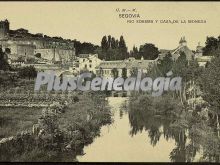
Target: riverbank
(15, 120)
(194, 131)
(120, 143)
(61, 132)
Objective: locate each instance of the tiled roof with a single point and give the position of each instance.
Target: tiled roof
(184, 49)
(112, 64)
(141, 64)
(84, 55)
(204, 58)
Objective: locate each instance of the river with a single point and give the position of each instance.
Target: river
(119, 142)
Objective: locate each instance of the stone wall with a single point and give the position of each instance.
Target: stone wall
(59, 54)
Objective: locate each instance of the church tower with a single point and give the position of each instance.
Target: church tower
(183, 41)
(4, 29)
(199, 50)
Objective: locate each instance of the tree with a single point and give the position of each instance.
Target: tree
(31, 60)
(38, 55)
(210, 86)
(212, 44)
(148, 51)
(110, 54)
(84, 48)
(134, 72)
(7, 50)
(27, 72)
(122, 44)
(112, 49)
(123, 49)
(3, 61)
(134, 52)
(180, 66)
(166, 64)
(100, 72)
(115, 72)
(104, 43)
(124, 73)
(113, 43)
(117, 43)
(109, 41)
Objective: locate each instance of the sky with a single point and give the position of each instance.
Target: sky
(90, 21)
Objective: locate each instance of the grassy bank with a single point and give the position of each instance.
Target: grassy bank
(61, 131)
(15, 120)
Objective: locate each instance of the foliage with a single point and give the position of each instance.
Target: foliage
(212, 45)
(31, 60)
(84, 48)
(38, 55)
(148, 51)
(7, 50)
(134, 72)
(210, 83)
(124, 73)
(134, 52)
(3, 61)
(166, 64)
(112, 49)
(27, 72)
(115, 72)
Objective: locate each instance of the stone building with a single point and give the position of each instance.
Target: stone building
(176, 52)
(22, 43)
(203, 60)
(106, 67)
(4, 29)
(87, 62)
(199, 51)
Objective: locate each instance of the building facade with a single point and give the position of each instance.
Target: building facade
(22, 43)
(87, 62)
(123, 68)
(175, 53)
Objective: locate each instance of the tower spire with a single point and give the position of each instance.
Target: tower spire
(182, 41)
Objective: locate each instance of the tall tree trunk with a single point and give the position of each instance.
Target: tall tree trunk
(217, 124)
(181, 98)
(194, 96)
(184, 92)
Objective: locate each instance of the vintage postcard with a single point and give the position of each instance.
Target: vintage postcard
(109, 81)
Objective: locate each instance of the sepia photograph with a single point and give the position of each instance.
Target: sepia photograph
(114, 81)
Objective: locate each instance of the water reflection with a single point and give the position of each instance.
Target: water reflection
(157, 126)
(127, 139)
(141, 133)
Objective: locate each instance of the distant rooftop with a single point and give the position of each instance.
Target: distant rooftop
(127, 63)
(182, 40)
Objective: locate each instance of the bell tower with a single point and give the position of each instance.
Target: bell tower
(4, 29)
(183, 41)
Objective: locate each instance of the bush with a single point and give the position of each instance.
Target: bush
(27, 72)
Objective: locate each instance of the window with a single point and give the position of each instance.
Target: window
(90, 65)
(90, 60)
(83, 60)
(86, 66)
